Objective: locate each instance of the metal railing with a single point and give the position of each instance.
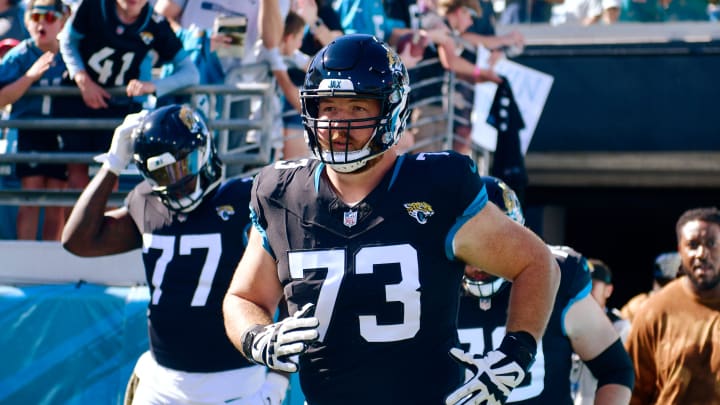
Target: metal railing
(214, 99)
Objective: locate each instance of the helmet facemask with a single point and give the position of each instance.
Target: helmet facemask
(346, 160)
(181, 184)
(481, 284)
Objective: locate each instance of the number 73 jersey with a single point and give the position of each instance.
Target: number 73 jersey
(381, 273)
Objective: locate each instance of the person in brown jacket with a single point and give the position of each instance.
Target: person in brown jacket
(674, 341)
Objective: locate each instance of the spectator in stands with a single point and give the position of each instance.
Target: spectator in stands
(460, 16)
(12, 23)
(199, 16)
(611, 11)
(667, 10)
(584, 382)
(675, 339)
(194, 22)
(642, 10)
(602, 289)
(293, 145)
(36, 62)
(577, 324)
(263, 33)
(530, 11)
(576, 12)
(586, 12)
(107, 44)
(665, 270)
(442, 42)
(369, 17)
(713, 10)
(191, 227)
(322, 29)
(6, 45)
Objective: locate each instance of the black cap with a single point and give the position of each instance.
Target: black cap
(666, 265)
(600, 271)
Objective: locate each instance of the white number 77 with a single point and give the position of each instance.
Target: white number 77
(166, 244)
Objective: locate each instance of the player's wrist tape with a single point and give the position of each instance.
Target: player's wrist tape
(248, 338)
(521, 347)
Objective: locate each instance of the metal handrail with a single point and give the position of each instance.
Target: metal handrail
(249, 156)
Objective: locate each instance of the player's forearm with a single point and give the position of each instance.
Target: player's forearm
(240, 315)
(87, 216)
(533, 295)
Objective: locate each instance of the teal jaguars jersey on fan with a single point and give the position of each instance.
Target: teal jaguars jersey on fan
(115, 53)
(482, 328)
(189, 262)
(381, 273)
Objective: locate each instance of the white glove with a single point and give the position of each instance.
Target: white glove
(272, 345)
(495, 374)
(274, 389)
(121, 148)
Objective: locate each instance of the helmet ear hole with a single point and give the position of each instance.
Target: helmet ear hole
(173, 149)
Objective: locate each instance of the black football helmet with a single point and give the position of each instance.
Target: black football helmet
(174, 151)
(475, 281)
(356, 66)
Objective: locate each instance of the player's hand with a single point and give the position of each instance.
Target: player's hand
(272, 345)
(121, 148)
(495, 374)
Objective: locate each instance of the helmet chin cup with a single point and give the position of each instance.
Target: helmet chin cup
(189, 202)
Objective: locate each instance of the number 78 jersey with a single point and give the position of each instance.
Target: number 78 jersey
(482, 328)
(381, 273)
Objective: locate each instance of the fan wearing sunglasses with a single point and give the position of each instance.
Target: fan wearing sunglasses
(34, 62)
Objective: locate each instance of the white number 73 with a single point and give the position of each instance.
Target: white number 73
(405, 292)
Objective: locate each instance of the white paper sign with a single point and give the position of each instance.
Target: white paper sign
(530, 88)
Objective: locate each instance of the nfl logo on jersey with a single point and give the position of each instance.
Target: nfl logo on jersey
(350, 218)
